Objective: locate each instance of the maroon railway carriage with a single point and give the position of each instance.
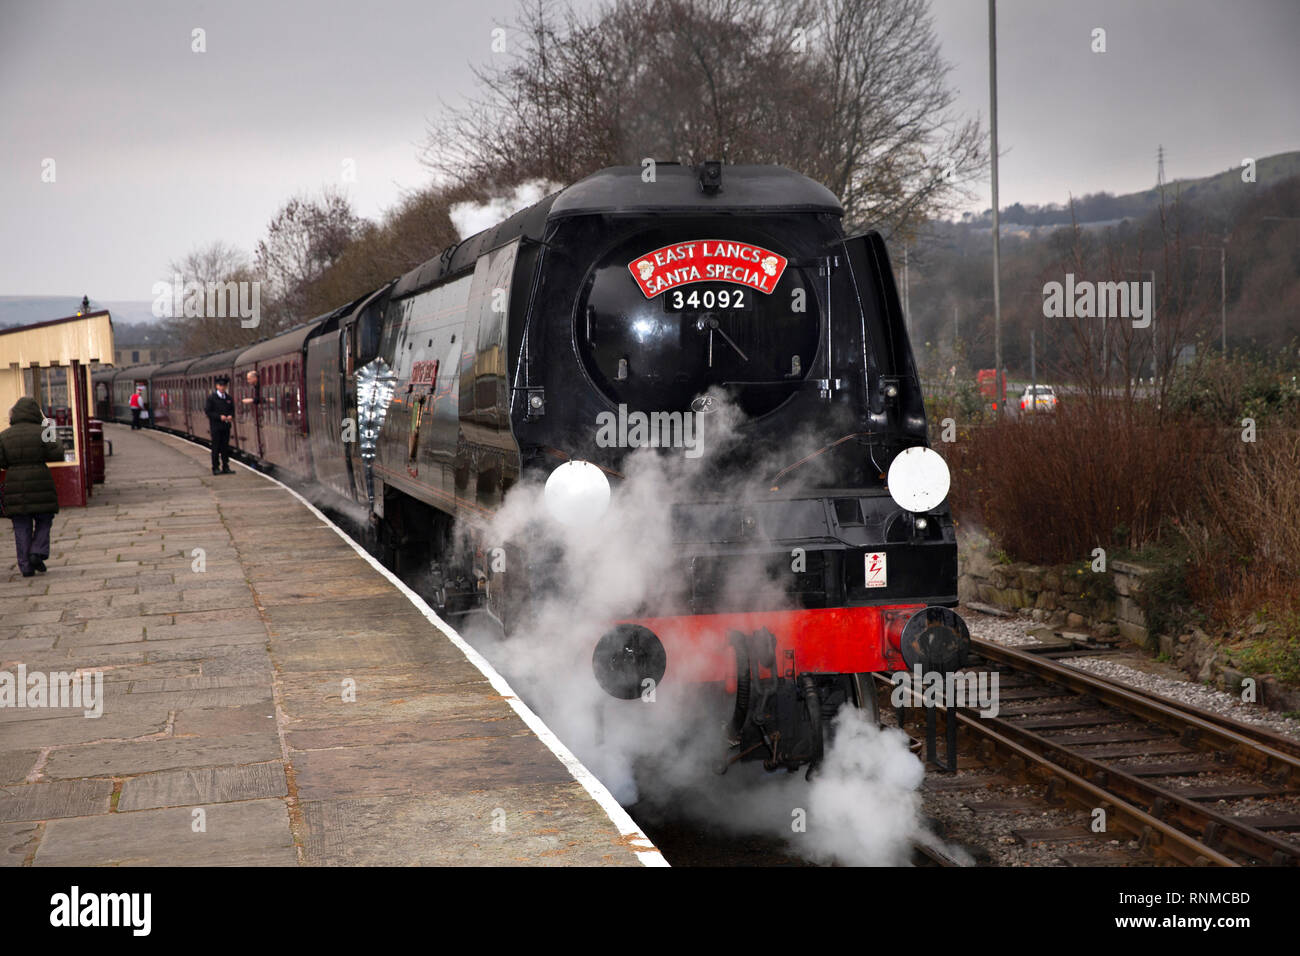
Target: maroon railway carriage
(200, 379)
(273, 427)
(124, 385)
(271, 430)
(497, 362)
(168, 388)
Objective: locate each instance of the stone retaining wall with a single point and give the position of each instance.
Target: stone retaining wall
(1101, 601)
(1104, 603)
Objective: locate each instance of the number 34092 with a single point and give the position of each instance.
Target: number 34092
(705, 300)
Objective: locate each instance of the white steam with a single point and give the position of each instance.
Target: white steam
(473, 217)
(864, 807)
(861, 807)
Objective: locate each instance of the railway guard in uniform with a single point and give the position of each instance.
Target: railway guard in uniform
(220, 409)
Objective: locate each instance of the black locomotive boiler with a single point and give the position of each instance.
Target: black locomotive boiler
(554, 346)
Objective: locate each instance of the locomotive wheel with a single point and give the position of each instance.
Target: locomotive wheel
(864, 694)
(813, 708)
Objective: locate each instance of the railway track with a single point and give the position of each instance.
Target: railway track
(1073, 732)
(1185, 783)
(927, 854)
(1262, 735)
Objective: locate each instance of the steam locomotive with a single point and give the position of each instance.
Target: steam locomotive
(810, 548)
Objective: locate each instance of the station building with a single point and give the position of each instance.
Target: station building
(52, 363)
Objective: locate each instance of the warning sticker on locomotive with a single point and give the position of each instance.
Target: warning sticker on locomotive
(707, 260)
(877, 575)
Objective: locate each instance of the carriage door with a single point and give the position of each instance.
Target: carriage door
(258, 395)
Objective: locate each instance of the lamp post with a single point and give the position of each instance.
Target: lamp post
(907, 295)
(1223, 292)
(1154, 357)
(1033, 376)
(998, 384)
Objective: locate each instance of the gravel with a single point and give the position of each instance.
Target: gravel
(990, 836)
(1187, 692)
(1008, 631)
(1012, 632)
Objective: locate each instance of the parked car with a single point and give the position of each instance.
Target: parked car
(1040, 398)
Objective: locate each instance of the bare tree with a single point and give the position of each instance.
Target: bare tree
(850, 92)
(213, 265)
(1109, 355)
(305, 237)
(891, 146)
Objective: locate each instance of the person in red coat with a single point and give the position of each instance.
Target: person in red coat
(137, 405)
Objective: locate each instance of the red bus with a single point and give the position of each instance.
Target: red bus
(987, 380)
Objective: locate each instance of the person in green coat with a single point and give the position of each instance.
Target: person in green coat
(28, 496)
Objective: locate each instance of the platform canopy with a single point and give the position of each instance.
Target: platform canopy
(84, 338)
(51, 362)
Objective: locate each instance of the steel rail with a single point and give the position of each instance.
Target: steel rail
(1195, 729)
(1203, 823)
(1155, 834)
(1269, 738)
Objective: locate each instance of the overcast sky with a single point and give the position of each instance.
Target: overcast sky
(158, 149)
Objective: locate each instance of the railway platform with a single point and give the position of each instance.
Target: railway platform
(267, 695)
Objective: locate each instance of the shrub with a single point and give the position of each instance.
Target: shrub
(1245, 533)
(1051, 488)
(1224, 391)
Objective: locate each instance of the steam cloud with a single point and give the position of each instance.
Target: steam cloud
(471, 217)
(862, 806)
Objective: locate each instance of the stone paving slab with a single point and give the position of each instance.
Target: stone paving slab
(60, 798)
(17, 842)
(442, 766)
(15, 765)
(268, 697)
(216, 722)
(69, 731)
(253, 833)
(179, 788)
(388, 732)
(144, 756)
(518, 826)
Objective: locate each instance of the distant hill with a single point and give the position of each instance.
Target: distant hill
(27, 309)
(949, 276)
(1220, 191)
(1226, 185)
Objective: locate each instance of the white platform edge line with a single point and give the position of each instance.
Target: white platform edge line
(646, 852)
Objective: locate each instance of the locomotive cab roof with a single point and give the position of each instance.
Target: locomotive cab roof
(622, 190)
